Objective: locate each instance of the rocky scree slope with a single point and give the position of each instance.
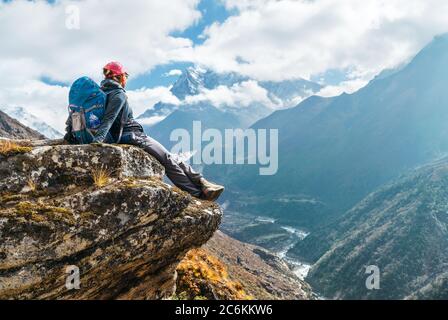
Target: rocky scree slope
(13, 129)
(227, 269)
(126, 233)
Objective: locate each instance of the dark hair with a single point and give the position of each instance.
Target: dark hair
(109, 75)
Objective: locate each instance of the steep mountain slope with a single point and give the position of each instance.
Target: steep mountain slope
(31, 121)
(13, 129)
(262, 274)
(229, 269)
(337, 150)
(401, 228)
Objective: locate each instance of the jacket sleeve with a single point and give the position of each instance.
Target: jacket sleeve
(114, 106)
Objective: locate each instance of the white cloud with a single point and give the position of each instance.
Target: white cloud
(241, 94)
(36, 43)
(144, 99)
(151, 120)
(276, 40)
(174, 72)
(39, 99)
(348, 86)
(266, 40)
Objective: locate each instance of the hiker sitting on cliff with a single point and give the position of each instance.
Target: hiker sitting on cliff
(114, 123)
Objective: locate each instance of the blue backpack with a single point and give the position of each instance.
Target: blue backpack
(87, 106)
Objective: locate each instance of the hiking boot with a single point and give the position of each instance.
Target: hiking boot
(211, 191)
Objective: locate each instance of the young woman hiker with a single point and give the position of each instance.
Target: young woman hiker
(119, 126)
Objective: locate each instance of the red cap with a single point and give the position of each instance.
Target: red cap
(113, 69)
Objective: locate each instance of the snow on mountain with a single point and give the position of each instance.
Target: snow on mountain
(188, 83)
(196, 84)
(290, 92)
(29, 120)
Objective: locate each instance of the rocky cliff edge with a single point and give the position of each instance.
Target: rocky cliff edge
(100, 209)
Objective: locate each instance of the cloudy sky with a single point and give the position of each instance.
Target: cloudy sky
(340, 43)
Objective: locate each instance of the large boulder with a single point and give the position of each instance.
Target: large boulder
(66, 166)
(126, 234)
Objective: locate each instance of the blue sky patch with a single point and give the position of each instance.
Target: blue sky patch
(157, 76)
(213, 11)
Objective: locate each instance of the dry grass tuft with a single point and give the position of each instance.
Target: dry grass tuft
(101, 176)
(31, 185)
(8, 148)
(201, 275)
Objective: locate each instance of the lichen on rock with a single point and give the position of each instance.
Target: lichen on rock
(126, 237)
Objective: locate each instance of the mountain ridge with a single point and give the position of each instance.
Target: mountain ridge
(402, 228)
(337, 150)
(32, 122)
(13, 129)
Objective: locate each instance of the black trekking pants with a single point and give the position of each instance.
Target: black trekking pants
(181, 174)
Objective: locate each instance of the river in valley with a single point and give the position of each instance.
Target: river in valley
(267, 233)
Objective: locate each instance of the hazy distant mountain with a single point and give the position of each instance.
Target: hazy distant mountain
(12, 129)
(337, 150)
(195, 79)
(402, 228)
(31, 121)
(209, 116)
(157, 113)
(290, 91)
(189, 83)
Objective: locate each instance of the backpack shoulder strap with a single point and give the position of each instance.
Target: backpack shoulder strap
(124, 111)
